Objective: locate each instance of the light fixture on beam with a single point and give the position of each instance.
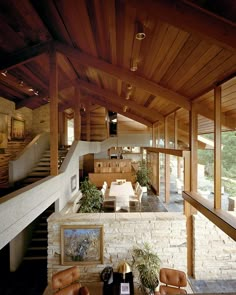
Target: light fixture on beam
(125, 109)
(133, 65)
(36, 92)
(21, 83)
(140, 34)
(31, 89)
(4, 73)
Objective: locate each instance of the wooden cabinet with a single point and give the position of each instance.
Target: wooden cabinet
(112, 165)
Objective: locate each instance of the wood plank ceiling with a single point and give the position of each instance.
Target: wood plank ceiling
(188, 49)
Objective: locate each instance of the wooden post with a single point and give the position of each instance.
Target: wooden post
(176, 130)
(153, 136)
(217, 148)
(158, 174)
(167, 164)
(88, 130)
(193, 147)
(190, 184)
(77, 117)
(53, 94)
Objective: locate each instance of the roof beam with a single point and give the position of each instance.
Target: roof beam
(23, 56)
(112, 97)
(191, 18)
(124, 74)
(114, 108)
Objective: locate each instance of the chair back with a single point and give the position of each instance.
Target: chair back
(65, 282)
(174, 280)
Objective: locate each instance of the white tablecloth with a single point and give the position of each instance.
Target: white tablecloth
(122, 192)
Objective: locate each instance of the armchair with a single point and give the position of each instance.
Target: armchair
(173, 280)
(65, 282)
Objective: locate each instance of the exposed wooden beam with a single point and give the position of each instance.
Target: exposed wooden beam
(115, 108)
(23, 56)
(117, 100)
(124, 74)
(191, 18)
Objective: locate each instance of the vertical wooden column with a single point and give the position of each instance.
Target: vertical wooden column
(158, 174)
(193, 147)
(88, 117)
(190, 184)
(61, 128)
(167, 164)
(158, 135)
(53, 94)
(77, 117)
(153, 136)
(176, 130)
(217, 148)
(65, 128)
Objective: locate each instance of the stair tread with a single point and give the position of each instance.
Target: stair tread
(40, 168)
(35, 257)
(38, 173)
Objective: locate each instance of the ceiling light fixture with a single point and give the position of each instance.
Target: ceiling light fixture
(31, 89)
(4, 73)
(133, 66)
(36, 92)
(21, 83)
(140, 35)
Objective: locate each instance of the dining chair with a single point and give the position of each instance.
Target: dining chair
(137, 199)
(174, 280)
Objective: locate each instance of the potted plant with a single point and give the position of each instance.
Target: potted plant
(91, 200)
(143, 176)
(147, 264)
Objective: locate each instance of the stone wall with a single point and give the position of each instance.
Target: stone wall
(8, 107)
(214, 251)
(166, 232)
(41, 119)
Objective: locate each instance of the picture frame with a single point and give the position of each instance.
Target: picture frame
(81, 244)
(17, 129)
(73, 183)
(3, 131)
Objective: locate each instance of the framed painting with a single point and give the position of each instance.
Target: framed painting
(81, 244)
(17, 129)
(3, 130)
(73, 183)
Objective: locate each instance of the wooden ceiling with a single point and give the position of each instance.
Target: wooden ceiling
(189, 48)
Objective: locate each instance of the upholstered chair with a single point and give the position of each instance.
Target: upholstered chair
(66, 282)
(174, 280)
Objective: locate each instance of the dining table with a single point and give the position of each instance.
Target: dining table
(122, 192)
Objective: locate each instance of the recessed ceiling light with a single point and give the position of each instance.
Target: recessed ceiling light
(140, 36)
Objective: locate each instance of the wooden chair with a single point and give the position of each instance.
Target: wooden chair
(137, 199)
(174, 280)
(66, 282)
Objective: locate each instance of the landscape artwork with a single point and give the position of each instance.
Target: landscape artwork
(81, 244)
(17, 129)
(3, 131)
